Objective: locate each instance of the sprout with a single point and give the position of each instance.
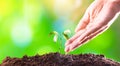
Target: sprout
(67, 31)
(65, 34)
(55, 39)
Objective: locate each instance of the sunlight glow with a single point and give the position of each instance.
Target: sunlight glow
(21, 34)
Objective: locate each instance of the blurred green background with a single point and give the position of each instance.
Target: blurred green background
(25, 26)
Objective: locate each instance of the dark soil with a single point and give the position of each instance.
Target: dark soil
(56, 59)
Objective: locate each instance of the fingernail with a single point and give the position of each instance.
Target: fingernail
(67, 49)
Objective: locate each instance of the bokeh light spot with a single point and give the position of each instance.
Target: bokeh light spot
(21, 34)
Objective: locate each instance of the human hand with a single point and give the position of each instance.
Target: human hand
(97, 18)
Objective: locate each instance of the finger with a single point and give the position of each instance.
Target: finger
(67, 49)
(77, 42)
(76, 45)
(74, 37)
(86, 33)
(70, 41)
(94, 34)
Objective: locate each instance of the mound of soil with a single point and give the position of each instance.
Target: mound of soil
(56, 59)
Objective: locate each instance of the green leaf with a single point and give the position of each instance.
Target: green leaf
(66, 33)
(55, 39)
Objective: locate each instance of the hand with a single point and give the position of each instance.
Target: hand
(97, 18)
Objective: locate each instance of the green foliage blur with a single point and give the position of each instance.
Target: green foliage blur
(25, 26)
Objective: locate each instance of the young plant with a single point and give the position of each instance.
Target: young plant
(57, 37)
(55, 33)
(66, 34)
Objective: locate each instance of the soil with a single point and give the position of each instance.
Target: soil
(56, 59)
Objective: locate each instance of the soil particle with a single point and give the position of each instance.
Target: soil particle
(56, 59)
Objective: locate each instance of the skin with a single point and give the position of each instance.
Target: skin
(97, 18)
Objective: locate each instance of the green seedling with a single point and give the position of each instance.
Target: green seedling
(66, 34)
(58, 38)
(55, 38)
(55, 33)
